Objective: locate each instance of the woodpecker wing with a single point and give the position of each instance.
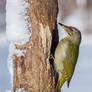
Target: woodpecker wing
(70, 60)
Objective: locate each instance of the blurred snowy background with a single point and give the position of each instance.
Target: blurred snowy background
(77, 13)
(4, 74)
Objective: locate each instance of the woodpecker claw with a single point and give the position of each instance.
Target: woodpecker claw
(52, 57)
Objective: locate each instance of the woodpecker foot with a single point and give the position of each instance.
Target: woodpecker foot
(52, 57)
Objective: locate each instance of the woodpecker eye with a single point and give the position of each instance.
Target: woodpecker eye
(71, 29)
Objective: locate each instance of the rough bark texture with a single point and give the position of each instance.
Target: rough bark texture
(34, 72)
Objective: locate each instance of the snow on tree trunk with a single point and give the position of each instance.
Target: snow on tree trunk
(30, 28)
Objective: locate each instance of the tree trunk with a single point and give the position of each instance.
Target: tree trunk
(34, 72)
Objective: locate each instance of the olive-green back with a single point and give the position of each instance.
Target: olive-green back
(70, 59)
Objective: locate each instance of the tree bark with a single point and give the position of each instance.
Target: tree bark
(34, 72)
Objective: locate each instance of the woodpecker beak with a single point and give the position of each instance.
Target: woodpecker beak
(66, 28)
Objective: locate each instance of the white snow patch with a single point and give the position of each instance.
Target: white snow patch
(17, 28)
(13, 51)
(18, 90)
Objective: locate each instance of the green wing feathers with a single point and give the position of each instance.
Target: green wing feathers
(70, 61)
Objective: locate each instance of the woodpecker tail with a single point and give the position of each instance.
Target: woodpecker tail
(60, 83)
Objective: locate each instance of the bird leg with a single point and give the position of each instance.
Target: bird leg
(52, 57)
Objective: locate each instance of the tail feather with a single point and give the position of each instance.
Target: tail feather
(60, 83)
(68, 82)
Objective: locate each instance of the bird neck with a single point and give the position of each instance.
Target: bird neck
(75, 40)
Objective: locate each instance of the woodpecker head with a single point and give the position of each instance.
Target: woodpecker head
(73, 33)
